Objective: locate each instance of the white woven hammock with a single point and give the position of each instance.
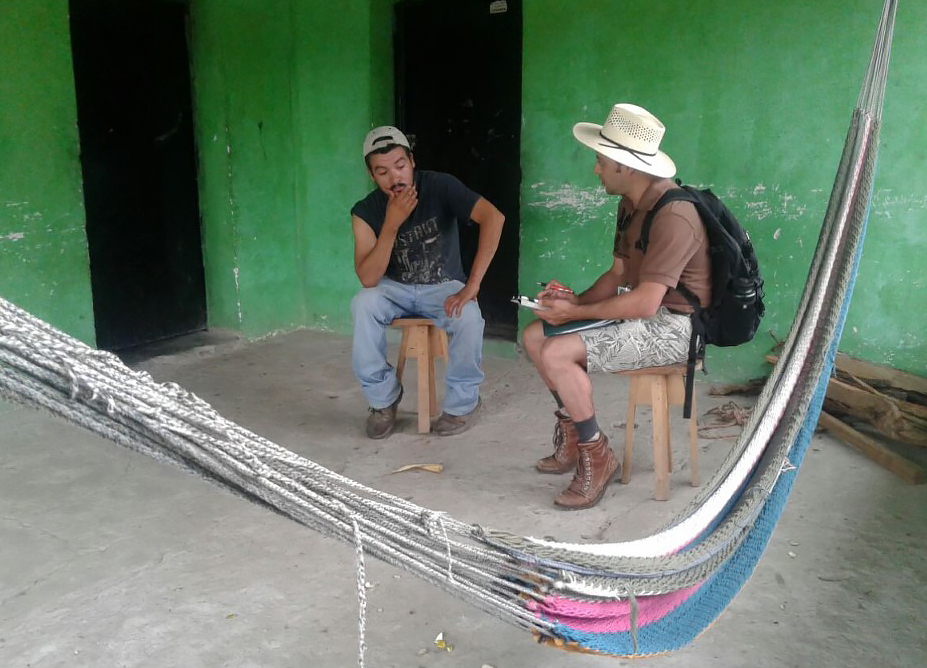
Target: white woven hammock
(627, 598)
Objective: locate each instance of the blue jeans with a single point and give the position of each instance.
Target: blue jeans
(374, 308)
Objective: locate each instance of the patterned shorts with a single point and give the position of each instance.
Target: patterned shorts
(635, 344)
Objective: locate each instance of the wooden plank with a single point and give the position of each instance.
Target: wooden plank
(900, 420)
(894, 377)
(910, 472)
(888, 415)
(869, 371)
(915, 411)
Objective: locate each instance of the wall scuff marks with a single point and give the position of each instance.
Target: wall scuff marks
(585, 202)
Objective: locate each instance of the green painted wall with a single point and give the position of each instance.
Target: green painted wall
(43, 248)
(343, 88)
(756, 98)
(243, 64)
(285, 91)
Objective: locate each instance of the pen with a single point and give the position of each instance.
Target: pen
(559, 288)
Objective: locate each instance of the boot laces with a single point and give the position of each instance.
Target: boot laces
(559, 442)
(582, 479)
(587, 471)
(559, 436)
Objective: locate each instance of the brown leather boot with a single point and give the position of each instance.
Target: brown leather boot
(382, 421)
(595, 468)
(564, 458)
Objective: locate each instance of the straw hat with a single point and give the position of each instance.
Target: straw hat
(631, 136)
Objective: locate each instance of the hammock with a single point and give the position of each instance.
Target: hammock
(631, 598)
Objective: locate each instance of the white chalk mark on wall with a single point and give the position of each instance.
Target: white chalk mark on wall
(22, 215)
(887, 204)
(771, 204)
(237, 294)
(575, 208)
(582, 201)
(13, 236)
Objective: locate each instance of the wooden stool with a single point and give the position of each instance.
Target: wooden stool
(660, 387)
(424, 341)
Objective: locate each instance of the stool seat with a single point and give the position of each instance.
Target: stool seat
(423, 341)
(659, 387)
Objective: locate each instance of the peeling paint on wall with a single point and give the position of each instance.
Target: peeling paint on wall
(14, 236)
(237, 294)
(26, 217)
(762, 202)
(581, 206)
(586, 202)
(886, 204)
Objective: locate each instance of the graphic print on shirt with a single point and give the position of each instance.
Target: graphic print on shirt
(417, 254)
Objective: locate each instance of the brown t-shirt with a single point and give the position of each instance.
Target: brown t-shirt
(677, 251)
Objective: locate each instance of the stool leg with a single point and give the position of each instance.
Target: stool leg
(437, 347)
(432, 390)
(403, 351)
(660, 437)
(669, 436)
(423, 361)
(693, 444)
(439, 343)
(629, 432)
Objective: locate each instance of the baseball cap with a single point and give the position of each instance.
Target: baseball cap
(385, 135)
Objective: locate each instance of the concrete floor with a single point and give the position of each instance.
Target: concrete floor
(108, 558)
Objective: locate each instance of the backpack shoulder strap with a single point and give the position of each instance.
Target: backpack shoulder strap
(697, 337)
(671, 195)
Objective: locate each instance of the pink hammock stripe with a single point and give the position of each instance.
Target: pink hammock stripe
(610, 616)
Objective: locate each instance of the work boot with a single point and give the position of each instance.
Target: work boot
(448, 425)
(382, 421)
(595, 468)
(565, 453)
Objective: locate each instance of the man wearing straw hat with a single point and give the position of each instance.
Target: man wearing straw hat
(653, 325)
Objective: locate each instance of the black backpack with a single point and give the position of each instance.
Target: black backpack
(733, 316)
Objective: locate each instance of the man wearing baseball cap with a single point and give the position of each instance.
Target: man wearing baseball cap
(653, 325)
(407, 257)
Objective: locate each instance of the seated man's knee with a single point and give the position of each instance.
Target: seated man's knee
(469, 320)
(559, 351)
(532, 338)
(365, 302)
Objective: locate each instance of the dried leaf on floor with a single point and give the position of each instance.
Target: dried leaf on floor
(440, 643)
(431, 468)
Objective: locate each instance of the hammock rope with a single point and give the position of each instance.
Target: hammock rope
(631, 598)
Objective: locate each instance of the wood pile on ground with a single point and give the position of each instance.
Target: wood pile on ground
(880, 411)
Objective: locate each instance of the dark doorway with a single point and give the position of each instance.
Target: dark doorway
(458, 96)
(131, 71)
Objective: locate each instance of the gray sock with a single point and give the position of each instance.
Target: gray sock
(587, 430)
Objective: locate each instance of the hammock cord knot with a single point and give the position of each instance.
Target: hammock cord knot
(434, 524)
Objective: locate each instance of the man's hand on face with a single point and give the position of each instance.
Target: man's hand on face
(454, 304)
(400, 206)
